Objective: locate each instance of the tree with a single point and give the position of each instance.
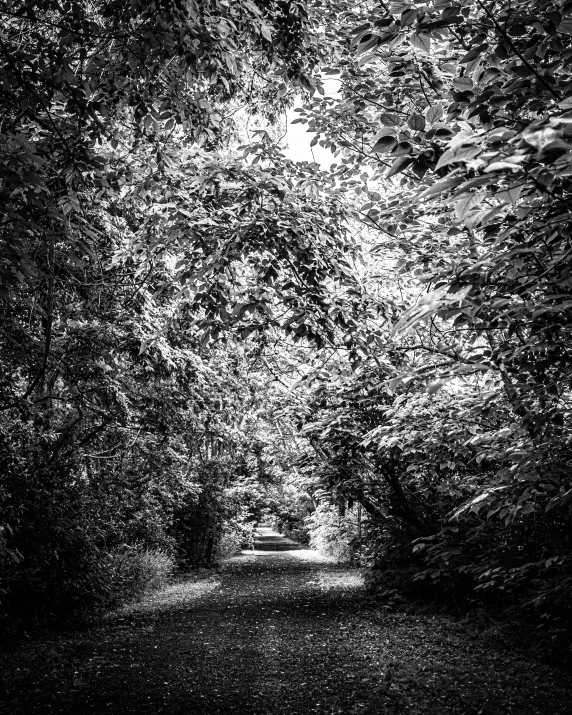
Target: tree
(452, 130)
(130, 238)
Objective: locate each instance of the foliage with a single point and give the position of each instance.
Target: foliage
(237, 534)
(137, 571)
(196, 332)
(332, 533)
(451, 423)
(117, 266)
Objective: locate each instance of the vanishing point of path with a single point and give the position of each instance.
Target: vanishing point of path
(277, 630)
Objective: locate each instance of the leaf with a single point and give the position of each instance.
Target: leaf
(559, 500)
(364, 59)
(464, 205)
(408, 17)
(434, 386)
(402, 148)
(539, 136)
(390, 120)
(449, 68)
(521, 70)
(399, 7)
(565, 27)
(367, 43)
(434, 113)
(449, 11)
(384, 145)
(484, 216)
(145, 343)
(459, 155)
(265, 32)
(429, 304)
(252, 7)
(399, 165)
(440, 187)
(501, 166)
(473, 184)
(417, 122)
(463, 83)
(421, 42)
(361, 28)
(388, 36)
(510, 195)
(472, 54)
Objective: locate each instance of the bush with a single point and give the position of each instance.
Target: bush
(333, 534)
(236, 535)
(135, 571)
(59, 555)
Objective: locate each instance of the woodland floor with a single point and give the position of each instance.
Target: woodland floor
(277, 630)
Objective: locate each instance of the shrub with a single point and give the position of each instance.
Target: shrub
(230, 543)
(135, 571)
(332, 533)
(236, 535)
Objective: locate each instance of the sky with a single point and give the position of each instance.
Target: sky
(297, 139)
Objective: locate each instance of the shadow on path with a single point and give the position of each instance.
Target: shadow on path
(277, 630)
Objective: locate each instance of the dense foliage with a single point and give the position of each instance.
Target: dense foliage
(453, 127)
(132, 234)
(193, 331)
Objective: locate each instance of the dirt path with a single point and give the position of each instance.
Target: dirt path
(277, 630)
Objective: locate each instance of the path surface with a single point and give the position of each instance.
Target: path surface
(277, 630)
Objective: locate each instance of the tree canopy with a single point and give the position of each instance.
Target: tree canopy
(192, 321)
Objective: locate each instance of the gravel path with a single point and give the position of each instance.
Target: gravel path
(277, 630)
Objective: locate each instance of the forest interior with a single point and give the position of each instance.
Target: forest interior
(202, 338)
